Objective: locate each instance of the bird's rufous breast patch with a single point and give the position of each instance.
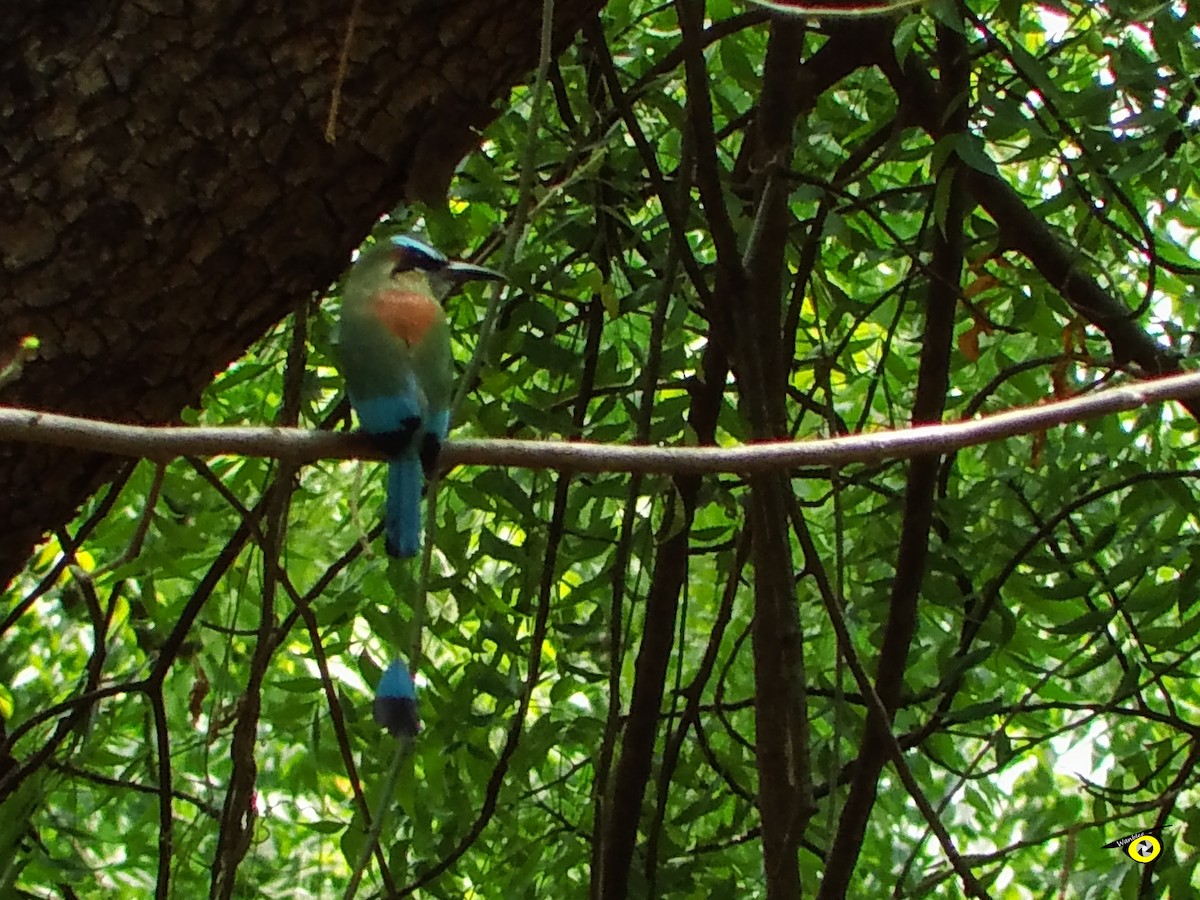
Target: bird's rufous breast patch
(406, 314)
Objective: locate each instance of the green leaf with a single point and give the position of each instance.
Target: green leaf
(1087, 623)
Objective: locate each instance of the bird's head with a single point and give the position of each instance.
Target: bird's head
(405, 254)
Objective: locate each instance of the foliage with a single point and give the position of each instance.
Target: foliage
(1048, 701)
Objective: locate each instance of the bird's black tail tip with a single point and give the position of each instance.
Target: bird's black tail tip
(396, 550)
(398, 715)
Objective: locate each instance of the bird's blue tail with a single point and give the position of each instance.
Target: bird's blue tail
(402, 515)
(395, 704)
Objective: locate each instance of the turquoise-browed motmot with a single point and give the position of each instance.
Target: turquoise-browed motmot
(394, 348)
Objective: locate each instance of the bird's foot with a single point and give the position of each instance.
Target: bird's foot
(431, 449)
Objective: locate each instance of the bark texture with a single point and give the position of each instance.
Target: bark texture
(167, 191)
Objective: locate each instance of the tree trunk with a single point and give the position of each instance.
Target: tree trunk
(168, 189)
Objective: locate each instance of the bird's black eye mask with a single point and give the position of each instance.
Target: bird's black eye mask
(408, 259)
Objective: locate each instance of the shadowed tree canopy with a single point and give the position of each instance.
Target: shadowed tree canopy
(169, 188)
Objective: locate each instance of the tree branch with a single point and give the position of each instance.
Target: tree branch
(301, 446)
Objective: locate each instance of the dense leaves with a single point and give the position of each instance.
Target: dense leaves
(1048, 704)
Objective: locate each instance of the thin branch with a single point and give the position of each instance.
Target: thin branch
(300, 446)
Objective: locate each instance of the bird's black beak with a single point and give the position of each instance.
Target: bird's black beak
(460, 272)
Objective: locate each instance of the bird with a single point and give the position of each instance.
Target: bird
(395, 704)
(394, 352)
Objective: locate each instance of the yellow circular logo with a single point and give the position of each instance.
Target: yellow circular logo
(1144, 849)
